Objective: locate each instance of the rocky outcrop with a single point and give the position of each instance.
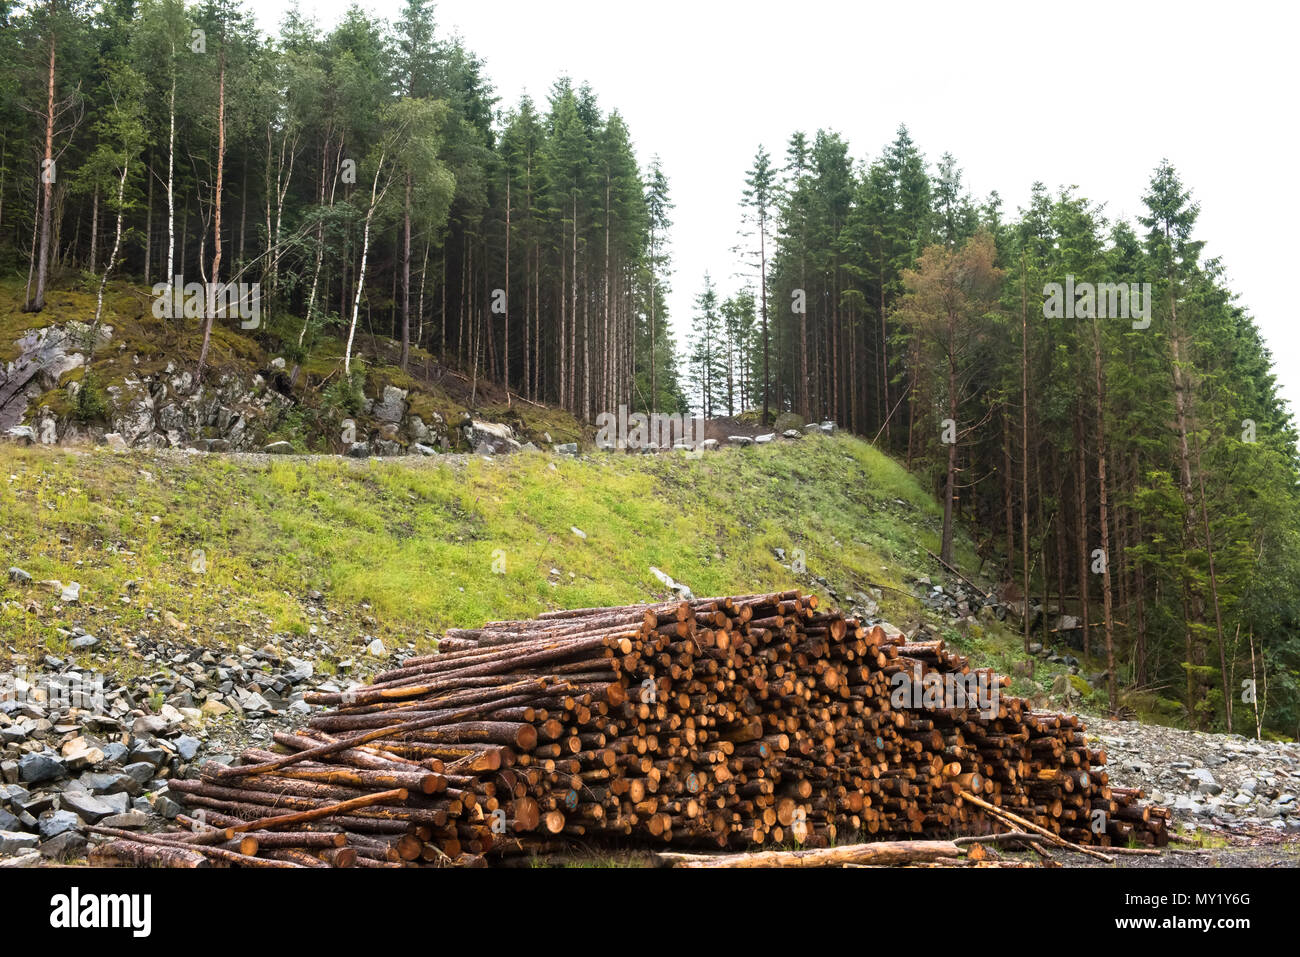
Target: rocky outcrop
(391, 406)
(489, 438)
(168, 409)
(44, 357)
(232, 410)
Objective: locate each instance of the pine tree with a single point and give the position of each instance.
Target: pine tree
(757, 201)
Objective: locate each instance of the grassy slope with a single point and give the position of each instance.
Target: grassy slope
(417, 540)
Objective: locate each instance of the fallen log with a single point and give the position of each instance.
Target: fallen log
(879, 853)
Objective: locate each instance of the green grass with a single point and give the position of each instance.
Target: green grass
(420, 546)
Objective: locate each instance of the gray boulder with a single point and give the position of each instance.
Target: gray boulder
(53, 823)
(39, 768)
(495, 434)
(131, 820)
(391, 407)
(88, 807)
(1205, 783)
(15, 842)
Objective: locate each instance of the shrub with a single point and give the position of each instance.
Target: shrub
(347, 394)
(92, 403)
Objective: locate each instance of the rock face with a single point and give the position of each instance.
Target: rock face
(159, 410)
(167, 409)
(44, 355)
(230, 411)
(497, 438)
(391, 407)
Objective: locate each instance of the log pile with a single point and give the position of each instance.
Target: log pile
(718, 723)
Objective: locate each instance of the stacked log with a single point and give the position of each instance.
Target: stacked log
(718, 723)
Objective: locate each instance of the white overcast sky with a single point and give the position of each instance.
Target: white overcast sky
(1091, 95)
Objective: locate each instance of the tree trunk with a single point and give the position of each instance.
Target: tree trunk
(243, 212)
(361, 274)
(654, 294)
(884, 354)
(1024, 447)
(1081, 527)
(171, 184)
(945, 548)
(419, 307)
(320, 234)
(1008, 514)
(406, 277)
(1214, 589)
(216, 213)
(505, 339)
(1107, 610)
(1192, 615)
(94, 229)
(762, 282)
(148, 224)
(108, 268)
(47, 181)
(803, 334)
